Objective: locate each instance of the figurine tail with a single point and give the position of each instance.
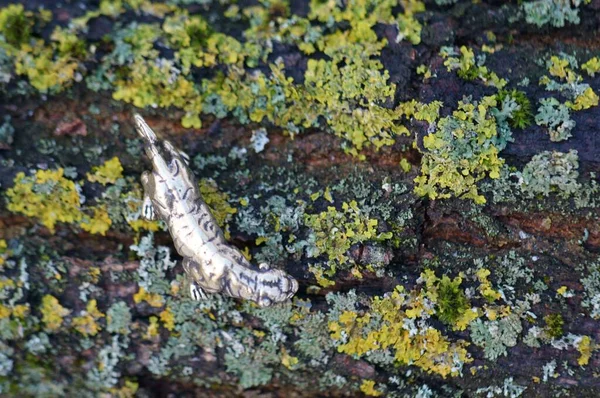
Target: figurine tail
(144, 130)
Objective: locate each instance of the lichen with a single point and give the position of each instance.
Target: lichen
(367, 387)
(52, 313)
(6, 132)
(556, 117)
(549, 172)
(398, 321)
(118, 318)
(333, 232)
(49, 67)
(496, 336)
(522, 117)
(463, 150)
(47, 195)
(107, 173)
(565, 79)
(99, 223)
(87, 322)
(333, 68)
(469, 68)
(218, 202)
(554, 12)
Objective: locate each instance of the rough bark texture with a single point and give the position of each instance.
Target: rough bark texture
(165, 344)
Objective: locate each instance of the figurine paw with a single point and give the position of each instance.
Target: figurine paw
(148, 212)
(197, 293)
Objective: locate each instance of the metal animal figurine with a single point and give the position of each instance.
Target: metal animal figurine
(172, 194)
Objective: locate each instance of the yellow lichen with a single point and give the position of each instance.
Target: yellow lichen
(592, 66)
(45, 72)
(20, 311)
(422, 345)
(218, 202)
(3, 252)
(462, 150)
(585, 100)
(154, 299)
(485, 287)
(152, 330)
(47, 196)
(585, 348)
(87, 322)
(153, 83)
(562, 290)
(322, 280)
(368, 388)
(335, 231)
(466, 318)
(168, 319)
(287, 360)
(129, 390)
(107, 173)
(52, 313)
(146, 225)
(94, 274)
(4, 311)
(99, 223)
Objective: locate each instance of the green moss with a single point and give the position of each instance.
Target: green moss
(452, 301)
(15, 24)
(554, 325)
(521, 117)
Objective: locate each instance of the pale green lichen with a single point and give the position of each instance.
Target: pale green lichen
(6, 132)
(549, 172)
(556, 117)
(496, 336)
(118, 318)
(347, 93)
(554, 12)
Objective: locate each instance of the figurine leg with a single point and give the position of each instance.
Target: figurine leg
(197, 293)
(195, 278)
(148, 212)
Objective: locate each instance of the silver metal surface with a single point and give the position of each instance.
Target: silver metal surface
(171, 194)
